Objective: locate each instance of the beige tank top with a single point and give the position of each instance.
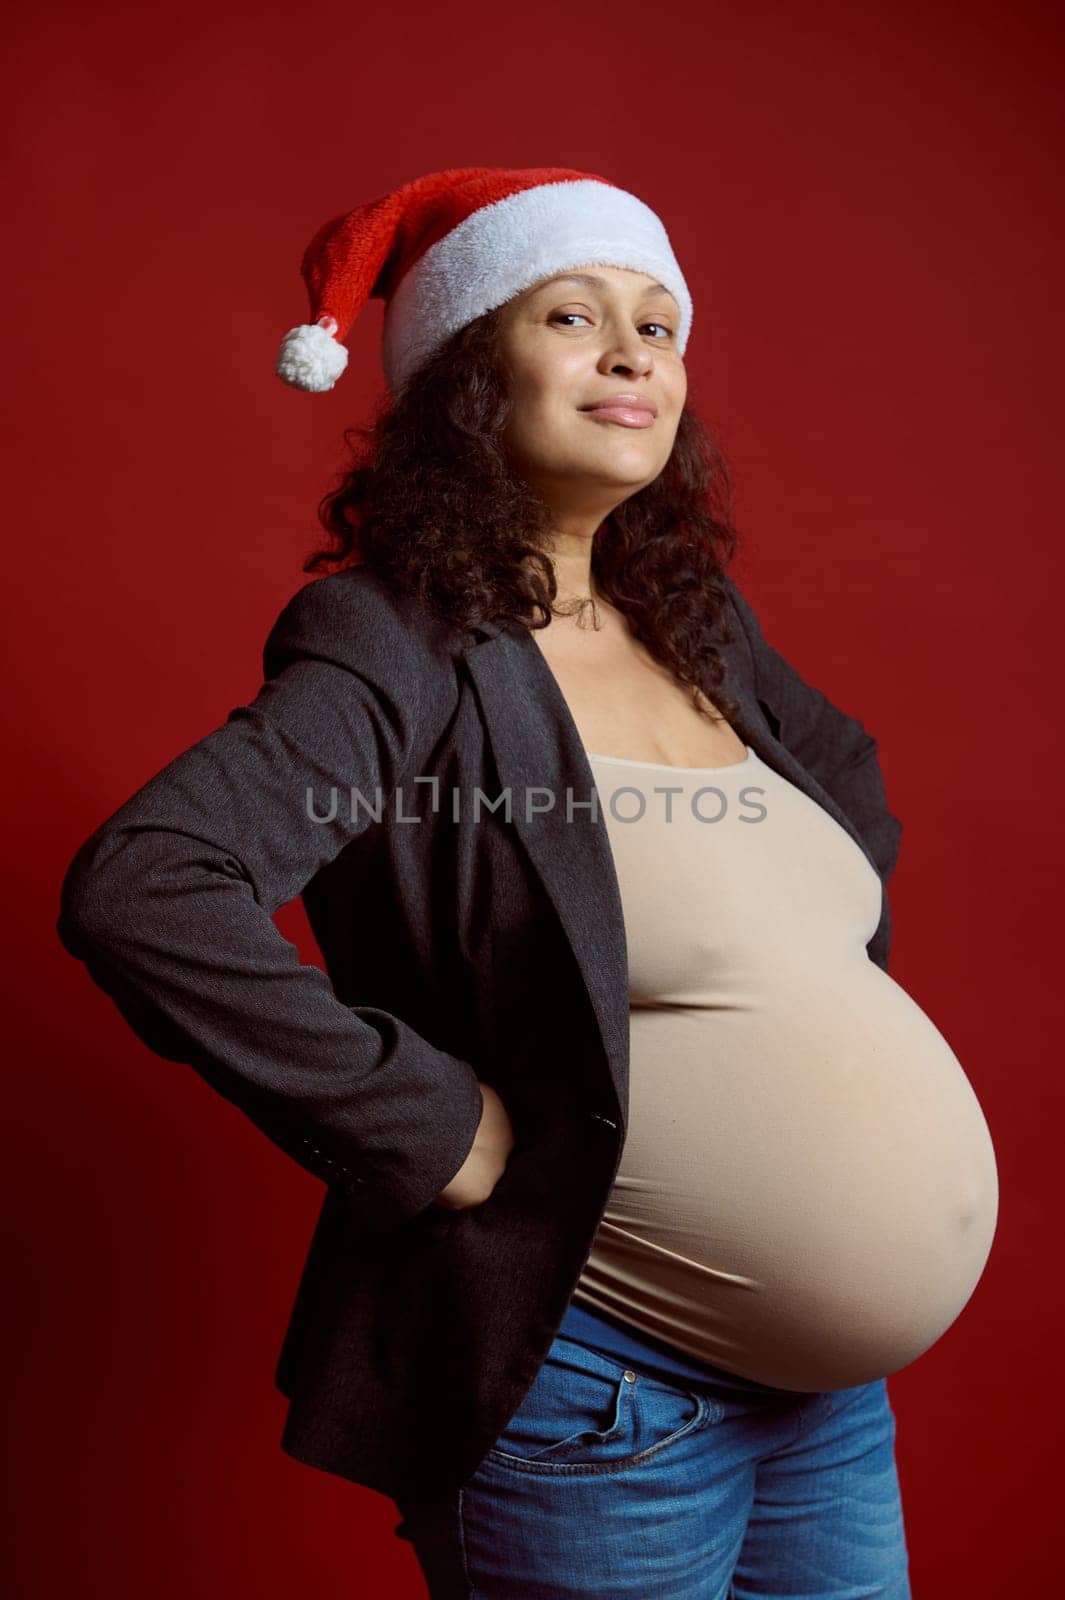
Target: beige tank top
(808, 1192)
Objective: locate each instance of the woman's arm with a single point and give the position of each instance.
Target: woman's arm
(834, 747)
(169, 903)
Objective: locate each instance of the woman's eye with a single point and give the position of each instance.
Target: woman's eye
(564, 315)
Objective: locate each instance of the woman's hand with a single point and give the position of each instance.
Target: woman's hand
(484, 1165)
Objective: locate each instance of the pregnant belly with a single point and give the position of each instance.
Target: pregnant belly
(806, 1197)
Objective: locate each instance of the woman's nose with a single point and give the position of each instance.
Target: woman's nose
(628, 354)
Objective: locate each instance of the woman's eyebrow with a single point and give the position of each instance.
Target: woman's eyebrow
(596, 283)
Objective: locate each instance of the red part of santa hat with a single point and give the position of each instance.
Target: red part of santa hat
(445, 248)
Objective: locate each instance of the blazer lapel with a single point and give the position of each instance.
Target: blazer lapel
(540, 758)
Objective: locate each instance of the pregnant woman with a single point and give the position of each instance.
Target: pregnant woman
(603, 1294)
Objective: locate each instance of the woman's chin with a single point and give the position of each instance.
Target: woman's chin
(624, 466)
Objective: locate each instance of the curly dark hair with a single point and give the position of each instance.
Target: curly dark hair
(431, 502)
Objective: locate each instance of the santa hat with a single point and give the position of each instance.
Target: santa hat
(443, 249)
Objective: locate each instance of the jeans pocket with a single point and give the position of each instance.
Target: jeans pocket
(587, 1413)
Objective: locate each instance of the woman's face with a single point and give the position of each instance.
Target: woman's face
(570, 343)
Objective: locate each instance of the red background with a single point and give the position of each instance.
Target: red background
(866, 202)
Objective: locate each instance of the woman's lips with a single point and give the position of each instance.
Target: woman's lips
(627, 416)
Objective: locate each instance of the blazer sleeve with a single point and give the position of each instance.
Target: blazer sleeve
(835, 748)
(169, 904)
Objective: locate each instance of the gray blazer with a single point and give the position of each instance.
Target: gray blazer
(463, 939)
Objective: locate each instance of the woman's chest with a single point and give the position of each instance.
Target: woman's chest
(625, 703)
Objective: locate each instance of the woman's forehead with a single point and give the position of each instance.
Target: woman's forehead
(596, 277)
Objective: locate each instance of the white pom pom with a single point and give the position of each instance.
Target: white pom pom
(310, 358)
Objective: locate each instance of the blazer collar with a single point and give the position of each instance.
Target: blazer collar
(536, 745)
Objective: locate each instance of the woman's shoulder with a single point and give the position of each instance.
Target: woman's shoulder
(359, 620)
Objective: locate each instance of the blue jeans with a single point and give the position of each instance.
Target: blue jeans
(609, 1484)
